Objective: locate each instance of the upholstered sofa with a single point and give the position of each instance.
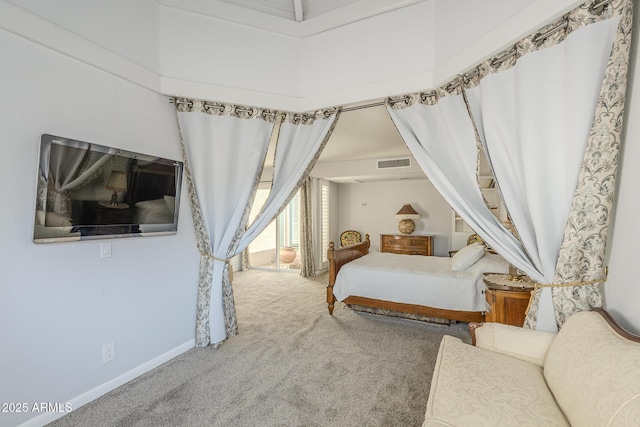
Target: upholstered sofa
(586, 375)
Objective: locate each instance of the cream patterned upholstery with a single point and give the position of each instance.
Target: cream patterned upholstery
(476, 387)
(594, 373)
(350, 237)
(586, 375)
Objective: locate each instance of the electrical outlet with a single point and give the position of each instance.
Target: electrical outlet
(105, 250)
(108, 352)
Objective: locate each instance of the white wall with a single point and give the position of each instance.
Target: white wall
(129, 28)
(383, 199)
(60, 303)
(257, 64)
(393, 53)
(377, 49)
(479, 17)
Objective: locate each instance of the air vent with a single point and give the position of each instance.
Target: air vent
(394, 163)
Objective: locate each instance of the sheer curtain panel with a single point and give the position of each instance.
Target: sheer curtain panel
(532, 109)
(71, 169)
(534, 121)
(440, 136)
(300, 141)
(224, 149)
(217, 139)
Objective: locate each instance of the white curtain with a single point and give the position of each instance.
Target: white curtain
(224, 150)
(71, 167)
(225, 153)
(300, 142)
(534, 120)
(441, 138)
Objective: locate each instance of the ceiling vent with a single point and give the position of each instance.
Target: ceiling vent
(394, 163)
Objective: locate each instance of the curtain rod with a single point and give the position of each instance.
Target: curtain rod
(362, 106)
(173, 100)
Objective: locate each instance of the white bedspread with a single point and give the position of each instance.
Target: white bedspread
(417, 279)
(153, 212)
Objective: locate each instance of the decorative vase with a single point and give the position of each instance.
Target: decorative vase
(287, 254)
(406, 226)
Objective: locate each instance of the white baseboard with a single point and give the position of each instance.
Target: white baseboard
(95, 393)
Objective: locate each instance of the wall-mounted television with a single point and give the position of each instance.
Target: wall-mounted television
(90, 191)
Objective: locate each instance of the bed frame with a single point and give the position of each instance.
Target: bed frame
(151, 181)
(340, 256)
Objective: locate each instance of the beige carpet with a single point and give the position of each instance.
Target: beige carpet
(292, 365)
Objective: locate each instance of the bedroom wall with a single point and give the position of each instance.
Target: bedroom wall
(212, 59)
(122, 26)
(393, 53)
(370, 208)
(61, 303)
(482, 16)
(352, 59)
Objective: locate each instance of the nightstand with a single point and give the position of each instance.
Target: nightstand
(407, 244)
(507, 301)
(101, 213)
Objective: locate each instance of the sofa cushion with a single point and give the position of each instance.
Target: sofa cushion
(594, 373)
(526, 344)
(477, 387)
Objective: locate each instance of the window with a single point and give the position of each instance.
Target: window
(324, 220)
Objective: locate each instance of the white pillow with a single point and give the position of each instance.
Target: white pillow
(467, 256)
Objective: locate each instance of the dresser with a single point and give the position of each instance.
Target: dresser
(507, 301)
(407, 244)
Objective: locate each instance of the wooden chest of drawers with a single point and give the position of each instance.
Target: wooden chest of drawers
(407, 244)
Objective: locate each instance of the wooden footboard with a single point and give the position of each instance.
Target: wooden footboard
(339, 257)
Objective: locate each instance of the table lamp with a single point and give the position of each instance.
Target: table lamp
(406, 215)
(117, 182)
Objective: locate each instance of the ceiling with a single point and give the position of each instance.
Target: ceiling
(293, 10)
(367, 133)
(295, 18)
(361, 134)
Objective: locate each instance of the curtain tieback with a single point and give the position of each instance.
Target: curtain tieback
(226, 261)
(564, 285)
(537, 286)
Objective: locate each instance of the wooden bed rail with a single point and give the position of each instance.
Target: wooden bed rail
(339, 257)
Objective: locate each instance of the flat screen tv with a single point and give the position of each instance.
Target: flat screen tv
(90, 191)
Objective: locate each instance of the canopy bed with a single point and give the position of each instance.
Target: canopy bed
(447, 288)
(554, 101)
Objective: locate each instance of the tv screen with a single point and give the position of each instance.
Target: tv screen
(90, 191)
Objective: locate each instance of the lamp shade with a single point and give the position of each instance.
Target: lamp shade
(407, 212)
(117, 182)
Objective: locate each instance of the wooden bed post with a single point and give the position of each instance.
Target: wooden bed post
(331, 299)
(337, 258)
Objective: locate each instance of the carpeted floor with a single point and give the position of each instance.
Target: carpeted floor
(292, 365)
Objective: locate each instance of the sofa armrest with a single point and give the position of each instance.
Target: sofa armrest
(525, 344)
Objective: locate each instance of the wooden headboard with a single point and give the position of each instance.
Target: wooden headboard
(151, 181)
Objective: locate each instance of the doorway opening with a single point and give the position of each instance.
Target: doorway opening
(278, 246)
